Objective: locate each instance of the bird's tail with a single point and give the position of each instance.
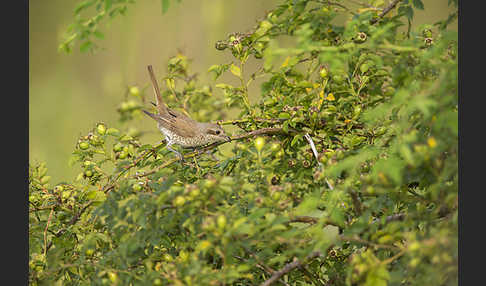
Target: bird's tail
(161, 107)
(154, 116)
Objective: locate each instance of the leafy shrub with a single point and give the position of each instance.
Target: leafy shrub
(376, 204)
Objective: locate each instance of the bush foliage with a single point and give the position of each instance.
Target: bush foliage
(375, 204)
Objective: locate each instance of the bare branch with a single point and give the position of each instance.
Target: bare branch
(289, 267)
(385, 11)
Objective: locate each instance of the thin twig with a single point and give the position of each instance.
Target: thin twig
(385, 11)
(45, 231)
(261, 266)
(239, 121)
(289, 267)
(310, 275)
(390, 218)
(362, 241)
(393, 258)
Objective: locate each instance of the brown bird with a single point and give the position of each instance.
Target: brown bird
(180, 129)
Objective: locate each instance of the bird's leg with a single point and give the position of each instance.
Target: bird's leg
(207, 152)
(177, 153)
(197, 166)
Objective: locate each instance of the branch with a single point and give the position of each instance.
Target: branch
(262, 266)
(310, 275)
(312, 220)
(289, 267)
(238, 121)
(385, 11)
(263, 131)
(71, 222)
(362, 241)
(390, 218)
(45, 231)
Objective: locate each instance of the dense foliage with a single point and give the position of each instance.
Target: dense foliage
(378, 206)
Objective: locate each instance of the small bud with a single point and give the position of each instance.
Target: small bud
(101, 129)
(323, 72)
(221, 45)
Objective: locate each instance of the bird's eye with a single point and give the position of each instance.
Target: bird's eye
(218, 132)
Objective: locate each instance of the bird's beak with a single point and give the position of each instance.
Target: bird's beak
(228, 139)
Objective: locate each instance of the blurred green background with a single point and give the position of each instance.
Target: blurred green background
(70, 93)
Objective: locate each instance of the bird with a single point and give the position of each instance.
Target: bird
(179, 128)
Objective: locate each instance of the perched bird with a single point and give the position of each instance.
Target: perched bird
(179, 128)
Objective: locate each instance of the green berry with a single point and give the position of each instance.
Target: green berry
(259, 143)
(135, 91)
(179, 201)
(117, 147)
(168, 258)
(364, 68)
(276, 196)
(113, 277)
(123, 154)
(221, 221)
(83, 145)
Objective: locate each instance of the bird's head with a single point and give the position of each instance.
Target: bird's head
(214, 132)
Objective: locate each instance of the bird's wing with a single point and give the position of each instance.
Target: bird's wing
(180, 124)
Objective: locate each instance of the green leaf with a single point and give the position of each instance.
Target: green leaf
(108, 4)
(418, 4)
(98, 35)
(96, 196)
(235, 70)
(84, 47)
(165, 6)
(296, 139)
(83, 5)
